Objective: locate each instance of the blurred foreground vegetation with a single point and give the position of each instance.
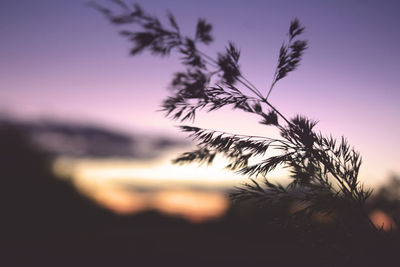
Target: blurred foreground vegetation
(45, 222)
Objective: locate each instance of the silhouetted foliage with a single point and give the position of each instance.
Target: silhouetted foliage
(323, 170)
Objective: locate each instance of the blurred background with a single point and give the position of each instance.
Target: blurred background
(86, 155)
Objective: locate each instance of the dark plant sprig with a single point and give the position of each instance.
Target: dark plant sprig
(238, 149)
(201, 155)
(290, 54)
(193, 84)
(323, 171)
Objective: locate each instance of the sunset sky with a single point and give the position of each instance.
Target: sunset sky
(63, 60)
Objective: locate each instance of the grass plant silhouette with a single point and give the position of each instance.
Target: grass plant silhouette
(323, 170)
(45, 221)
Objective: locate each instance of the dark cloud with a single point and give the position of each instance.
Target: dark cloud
(74, 140)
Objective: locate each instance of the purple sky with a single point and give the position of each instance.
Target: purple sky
(60, 59)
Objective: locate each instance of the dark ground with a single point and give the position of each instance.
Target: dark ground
(45, 222)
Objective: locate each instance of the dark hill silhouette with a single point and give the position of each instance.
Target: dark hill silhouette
(76, 140)
(45, 222)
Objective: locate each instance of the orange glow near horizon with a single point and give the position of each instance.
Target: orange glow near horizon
(189, 204)
(167, 187)
(119, 201)
(194, 206)
(382, 220)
